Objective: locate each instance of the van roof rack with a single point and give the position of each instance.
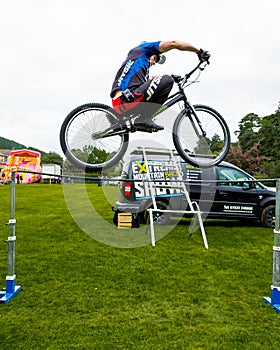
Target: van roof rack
(154, 150)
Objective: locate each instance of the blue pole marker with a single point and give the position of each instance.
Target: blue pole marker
(11, 290)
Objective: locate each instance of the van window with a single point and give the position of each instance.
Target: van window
(230, 174)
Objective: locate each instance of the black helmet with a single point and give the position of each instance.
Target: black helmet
(161, 58)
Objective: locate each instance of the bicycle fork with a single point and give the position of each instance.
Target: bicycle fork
(196, 124)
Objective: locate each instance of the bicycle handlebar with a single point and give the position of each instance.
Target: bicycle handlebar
(182, 80)
(197, 67)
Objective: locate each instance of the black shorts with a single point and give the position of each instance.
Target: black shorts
(157, 89)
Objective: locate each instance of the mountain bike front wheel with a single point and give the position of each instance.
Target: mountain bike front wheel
(201, 136)
(84, 141)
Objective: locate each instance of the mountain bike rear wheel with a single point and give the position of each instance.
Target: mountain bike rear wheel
(82, 142)
(201, 136)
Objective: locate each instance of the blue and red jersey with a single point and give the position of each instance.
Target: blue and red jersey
(135, 69)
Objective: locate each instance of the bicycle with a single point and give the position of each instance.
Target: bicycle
(94, 137)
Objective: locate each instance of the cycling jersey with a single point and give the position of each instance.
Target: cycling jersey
(135, 69)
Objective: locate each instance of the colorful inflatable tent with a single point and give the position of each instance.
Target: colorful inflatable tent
(22, 160)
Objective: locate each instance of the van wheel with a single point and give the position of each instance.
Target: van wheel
(268, 216)
(159, 217)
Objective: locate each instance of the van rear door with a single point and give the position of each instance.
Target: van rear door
(202, 187)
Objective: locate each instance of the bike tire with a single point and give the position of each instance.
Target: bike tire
(79, 145)
(202, 149)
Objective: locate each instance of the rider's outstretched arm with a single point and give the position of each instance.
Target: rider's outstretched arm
(165, 46)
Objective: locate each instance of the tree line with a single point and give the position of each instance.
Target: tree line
(257, 150)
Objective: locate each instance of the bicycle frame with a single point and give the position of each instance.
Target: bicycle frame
(181, 96)
(171, 101)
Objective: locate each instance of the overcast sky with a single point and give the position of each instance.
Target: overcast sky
(59, 54)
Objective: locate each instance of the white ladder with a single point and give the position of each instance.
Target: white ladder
(180, 183)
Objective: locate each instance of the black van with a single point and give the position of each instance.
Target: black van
(224, 191)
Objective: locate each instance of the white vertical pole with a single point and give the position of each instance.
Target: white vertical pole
(11, 288)
(153, 240)
(274, 301)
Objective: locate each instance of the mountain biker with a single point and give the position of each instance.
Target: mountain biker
(132, 84)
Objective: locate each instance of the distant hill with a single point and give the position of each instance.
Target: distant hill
(9, 145)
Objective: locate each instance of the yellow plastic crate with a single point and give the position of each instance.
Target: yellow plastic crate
(124, 220)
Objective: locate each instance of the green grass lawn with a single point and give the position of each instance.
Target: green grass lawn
(78, 293)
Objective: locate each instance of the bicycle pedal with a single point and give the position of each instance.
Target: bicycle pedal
(143, 129)
(133, 129)
(146, 128)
